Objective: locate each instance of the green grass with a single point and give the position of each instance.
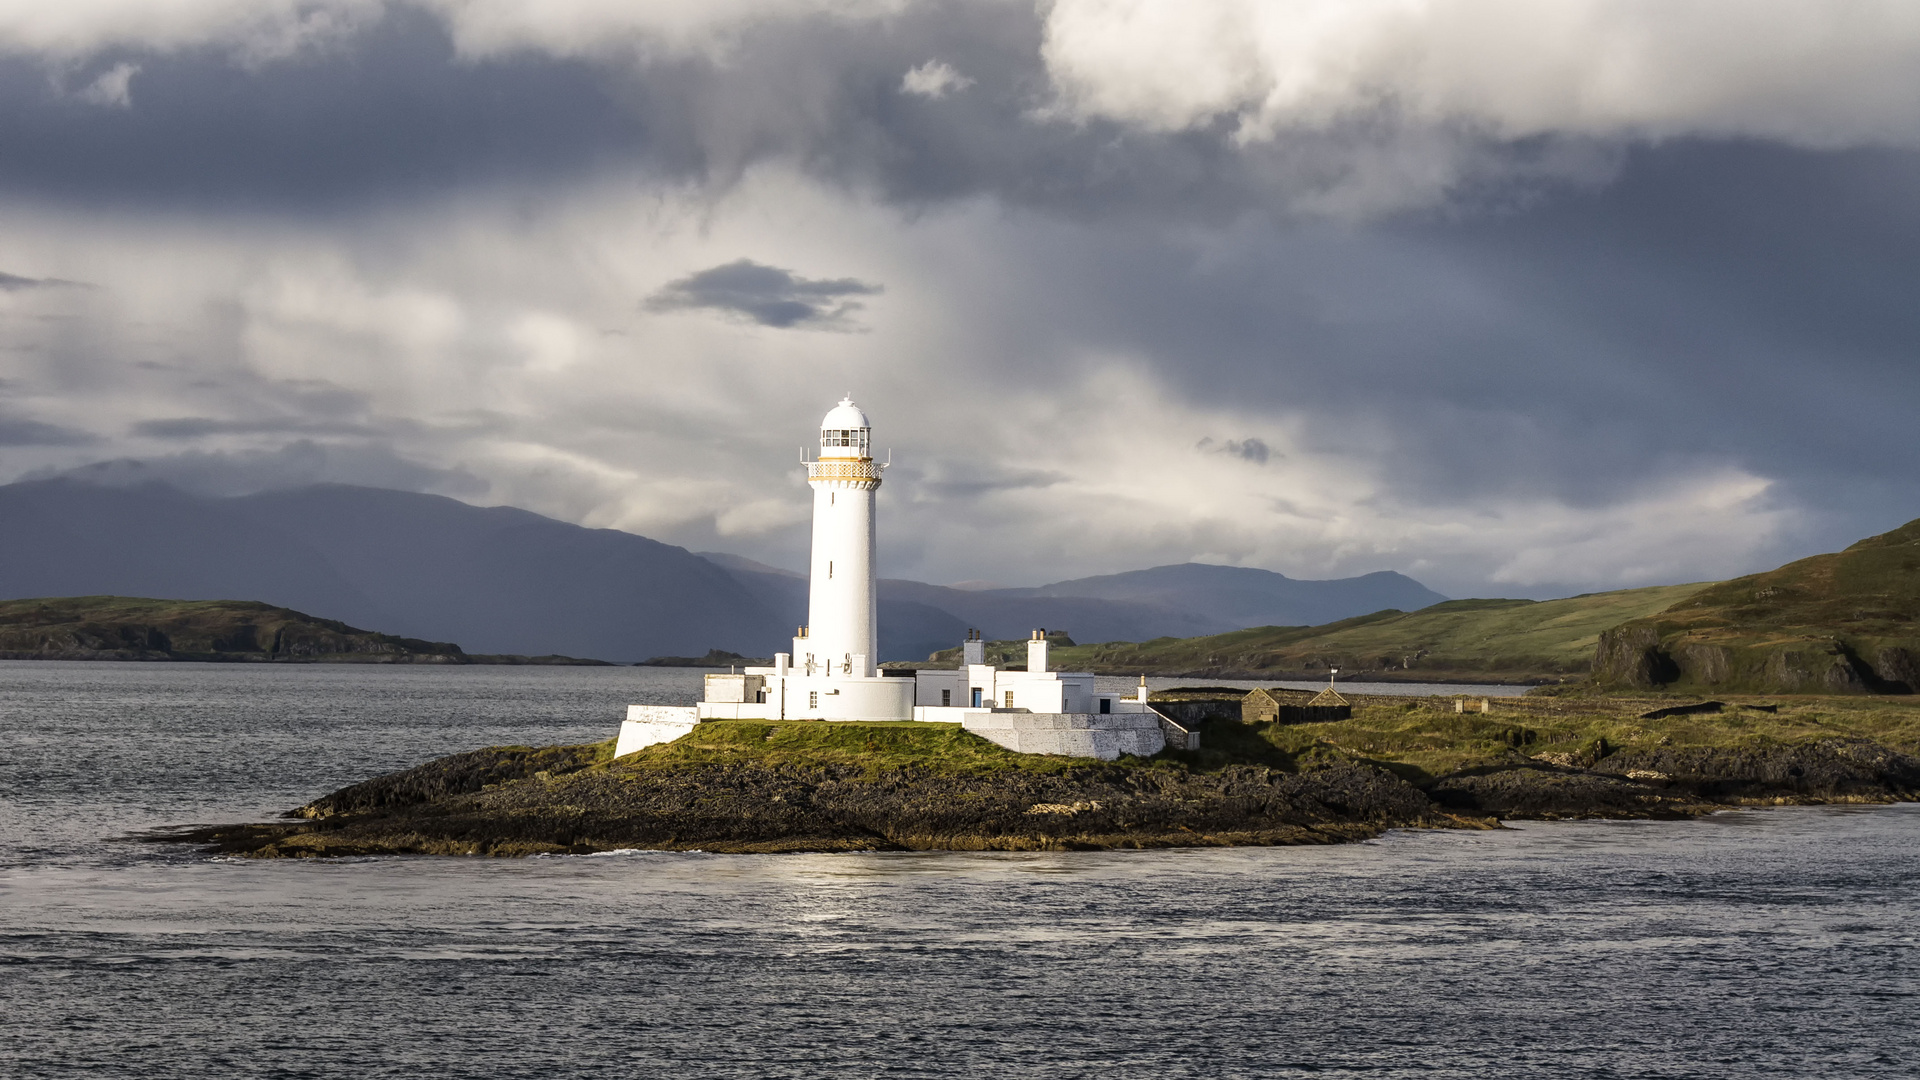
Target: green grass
(1419, 738)
(1508, 640)
(874, 747)
(1424, 737)
(1842, 622)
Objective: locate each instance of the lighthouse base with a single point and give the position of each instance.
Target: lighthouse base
(764, 694)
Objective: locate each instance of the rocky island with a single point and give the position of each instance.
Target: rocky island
(1792, 686)
(747, 786)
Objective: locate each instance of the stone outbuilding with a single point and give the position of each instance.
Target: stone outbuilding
(1285, 706)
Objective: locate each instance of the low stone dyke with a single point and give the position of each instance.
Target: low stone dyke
(1090, 735)
(646, 725)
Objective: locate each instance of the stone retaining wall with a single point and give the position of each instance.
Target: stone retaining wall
(1096, 735)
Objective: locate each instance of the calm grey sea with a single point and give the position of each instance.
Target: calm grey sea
(1764, 943)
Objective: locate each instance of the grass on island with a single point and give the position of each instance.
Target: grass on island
(1424, 738)
(873, 746)
(1418, 738)
(1511, 640)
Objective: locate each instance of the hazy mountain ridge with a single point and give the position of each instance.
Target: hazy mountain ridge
(1180, 600)
(500, 580)
(497, 580)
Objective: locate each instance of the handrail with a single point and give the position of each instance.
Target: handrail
(842, 470)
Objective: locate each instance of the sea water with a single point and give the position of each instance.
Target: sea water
(1758, 943)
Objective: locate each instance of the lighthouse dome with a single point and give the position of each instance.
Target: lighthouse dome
(845, 416)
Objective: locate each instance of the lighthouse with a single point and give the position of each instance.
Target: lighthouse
(833, 671)
(839, 639)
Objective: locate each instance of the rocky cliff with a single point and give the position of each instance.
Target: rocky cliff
(1843, 623)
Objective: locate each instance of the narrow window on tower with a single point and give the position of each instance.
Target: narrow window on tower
(946, 697)
(829, 569)
(1009, 699)
(813, 699)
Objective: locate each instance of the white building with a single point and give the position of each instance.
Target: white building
(832, 673)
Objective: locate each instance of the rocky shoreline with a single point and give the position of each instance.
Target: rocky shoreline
(523, 801)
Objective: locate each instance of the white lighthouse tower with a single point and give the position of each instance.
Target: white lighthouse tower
(839, 639)
(832, 672)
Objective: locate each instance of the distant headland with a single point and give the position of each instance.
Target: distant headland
(212, 631)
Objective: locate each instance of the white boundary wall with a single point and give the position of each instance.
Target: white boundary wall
(649, 724)
(1091, 735)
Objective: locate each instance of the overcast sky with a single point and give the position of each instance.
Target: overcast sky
(1520, 299)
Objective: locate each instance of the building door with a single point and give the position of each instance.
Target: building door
(976, 697)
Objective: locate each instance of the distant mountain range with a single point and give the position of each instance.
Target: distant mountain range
(502, 580)
(1183, 600)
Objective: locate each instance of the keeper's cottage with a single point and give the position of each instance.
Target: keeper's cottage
(832, 671)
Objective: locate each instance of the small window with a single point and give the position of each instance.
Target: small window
(946, 697)
(976, 697)
(1106, 704)
(813, 699)
(1009, 699)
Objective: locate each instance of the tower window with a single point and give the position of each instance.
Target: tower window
(976, 697)
(946, 697)
(1009, 699)
(813, 699)
(829, 568)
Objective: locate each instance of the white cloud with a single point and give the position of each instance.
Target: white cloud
(257, 29)
(934, 79)
(503, 353)
(266, 29)
(1819, 73)
(112, 88)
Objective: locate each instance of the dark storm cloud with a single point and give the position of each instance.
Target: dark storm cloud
(297, 464)
(766, 295)
(1720, 304)
(388, 113)
(19, 432)
(1254, 450)
(1579, 318)
(392, 112)
(16, 283)
(973, 479)
(195, 427)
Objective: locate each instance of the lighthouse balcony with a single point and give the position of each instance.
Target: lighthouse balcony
(850, 470)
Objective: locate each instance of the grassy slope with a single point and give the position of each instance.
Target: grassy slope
(141, 629)
(1425, 738)
(1847, 621)
(1419, 738)
(1479, 640)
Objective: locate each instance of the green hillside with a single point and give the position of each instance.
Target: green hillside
(131, 628)
(1847, 622)
(1460, 640)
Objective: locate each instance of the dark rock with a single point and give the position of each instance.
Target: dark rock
(1825, 770)
(1544, 791)
(1684, 710)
